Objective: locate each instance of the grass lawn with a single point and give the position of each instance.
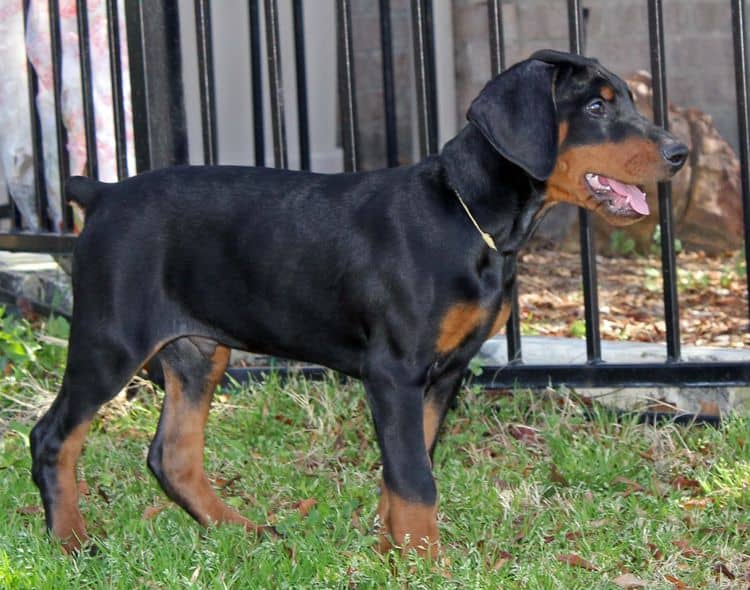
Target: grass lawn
(535, 493)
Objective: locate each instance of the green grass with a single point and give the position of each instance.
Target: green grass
(524, 481)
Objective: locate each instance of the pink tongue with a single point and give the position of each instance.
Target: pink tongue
(636, 197)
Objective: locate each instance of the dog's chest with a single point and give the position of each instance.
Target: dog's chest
(466, 323)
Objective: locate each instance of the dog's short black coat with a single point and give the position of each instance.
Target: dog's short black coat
(380, 275)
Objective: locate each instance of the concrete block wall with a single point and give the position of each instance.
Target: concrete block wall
(698, 35)
(368, 64)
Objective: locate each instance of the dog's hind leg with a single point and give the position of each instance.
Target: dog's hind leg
(192, 368)
(98, 367)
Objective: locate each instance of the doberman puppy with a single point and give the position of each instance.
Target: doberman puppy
(395, 277)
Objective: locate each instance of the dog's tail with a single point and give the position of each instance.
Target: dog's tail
(83, 191)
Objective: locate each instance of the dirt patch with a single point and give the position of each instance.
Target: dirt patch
(712, 295)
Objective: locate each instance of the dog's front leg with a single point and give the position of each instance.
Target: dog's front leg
(408, 505)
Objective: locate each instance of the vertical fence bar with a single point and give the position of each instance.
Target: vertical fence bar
(89, 120)
(273, 48)
(513, 326)
(40, 193)
(743, 118)
(62, 135)
(118, 103)
(347, 99)
(588, 247)
(429, 37)
(423, 66)
(256, 75)
(156, 89)
(203, 36)
(497, 36)
(301, 71)
(497, 63)
(138, 85)
(661, 117)
(389, 97)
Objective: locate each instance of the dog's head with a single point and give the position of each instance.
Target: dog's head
(569, 122)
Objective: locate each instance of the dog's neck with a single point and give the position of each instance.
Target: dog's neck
(502, 198)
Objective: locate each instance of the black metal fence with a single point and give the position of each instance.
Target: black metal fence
(160, 133)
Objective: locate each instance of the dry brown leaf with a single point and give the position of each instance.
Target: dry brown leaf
(30, 509)
(557, 477)
(648, 455)
(676, 582)
(224, 483)
(524, 434)
(356, 521)
(685, 483)
(655, 551)
(721, 569)
(696, 503)
(304, 506)
(629, 581)
(577, 561)
(103, 494)
(151, 511)
(686, 550)
(630, 485)
(83, 488)
(502, 558)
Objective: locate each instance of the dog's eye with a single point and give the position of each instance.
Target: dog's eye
(596, 108)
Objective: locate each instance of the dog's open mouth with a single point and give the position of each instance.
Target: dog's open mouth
(622, 199)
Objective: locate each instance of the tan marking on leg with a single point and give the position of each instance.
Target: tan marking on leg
(382, 530)
(67, 523)
(457, 323)
(562, 133)
(431, 415)
(182, 454)
(411, 525)
(501, 319)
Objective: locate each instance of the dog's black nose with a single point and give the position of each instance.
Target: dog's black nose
(675, 153)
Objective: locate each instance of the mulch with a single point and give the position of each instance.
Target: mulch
(712, 297)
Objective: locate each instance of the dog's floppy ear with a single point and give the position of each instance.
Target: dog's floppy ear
(516, 113)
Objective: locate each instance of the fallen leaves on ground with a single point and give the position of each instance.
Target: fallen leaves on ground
(31, 509)
(83, 488)
(686, 550)
(502, 558)
(676, 582)
(577, 561)
(557, 477)
(712, 297)
(686, 483)
(525, 434)
(629, 582)
(304, 506)
(152, 511)
(696, 503)
(721, 569)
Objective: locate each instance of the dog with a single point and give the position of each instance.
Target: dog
(395, 277)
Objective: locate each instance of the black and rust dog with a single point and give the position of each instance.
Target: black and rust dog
(394, 276)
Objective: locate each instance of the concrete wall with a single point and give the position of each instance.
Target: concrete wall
(698, 38)
(232, 77)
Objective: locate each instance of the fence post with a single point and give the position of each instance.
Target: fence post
(159, 127)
